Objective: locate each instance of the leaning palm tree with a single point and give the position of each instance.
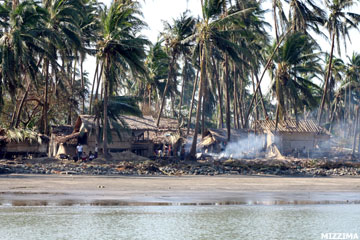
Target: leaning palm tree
(338, 24)
(120, 48)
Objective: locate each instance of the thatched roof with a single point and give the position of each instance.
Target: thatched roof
(220, 135)
(290, 126)
(22, 135)
(167, 123)
(134, 123)
(62, 129)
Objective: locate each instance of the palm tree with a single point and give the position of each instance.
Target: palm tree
(296, 59)
(174, 35)
(64, 23)
(157, 64)
(120, 48)
(338, 24)
(306, 15)
(21, 43)
(211, 33)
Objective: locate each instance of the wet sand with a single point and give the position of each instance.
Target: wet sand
(32, 190)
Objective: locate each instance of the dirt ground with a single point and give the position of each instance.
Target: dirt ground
(24, 190)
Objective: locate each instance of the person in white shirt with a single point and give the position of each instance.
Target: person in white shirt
(96, 151)
(79, 150)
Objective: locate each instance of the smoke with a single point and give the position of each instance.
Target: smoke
(249, 147)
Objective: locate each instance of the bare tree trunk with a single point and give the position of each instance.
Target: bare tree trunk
(261, 98)
(227, 93)
(236, 117)
(216, 75)
(105, 121)
(93, 86)
(98, 81)
(170, 75)
(327, 78)
(256, 100)
(192, 103)
(240, 102)
(182, 88)
(72, 94)
(45, 108)
(355, 129)
(204, 94)
(198, 109)
(82, 82)
(19, 110)
(263, 73)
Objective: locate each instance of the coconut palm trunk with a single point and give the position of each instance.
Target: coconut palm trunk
(93, 86)
(21, 105)
(192, 102)
(170, 76)
(105, 120)
(327, 78)
(227, 93)
(263, 74)
(198, 109)
(220, 96)
(182, 88)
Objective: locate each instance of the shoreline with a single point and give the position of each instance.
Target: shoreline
(160, 167)
(58, 190)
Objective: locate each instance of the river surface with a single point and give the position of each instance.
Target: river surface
(179, 222)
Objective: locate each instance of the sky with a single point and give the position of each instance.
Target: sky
(155, 11)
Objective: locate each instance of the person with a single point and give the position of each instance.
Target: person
(182, 152)
(91, 156)
(79, 150)
(96, 151)
(84, 157)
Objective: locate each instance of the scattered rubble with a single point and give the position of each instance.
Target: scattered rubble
(172, 167)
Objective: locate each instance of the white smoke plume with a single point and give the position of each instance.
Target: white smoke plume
(245, 148)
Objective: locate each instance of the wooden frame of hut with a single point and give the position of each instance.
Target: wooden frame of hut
(215, 140)
(291, 136)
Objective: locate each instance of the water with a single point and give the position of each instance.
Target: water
(178, 222)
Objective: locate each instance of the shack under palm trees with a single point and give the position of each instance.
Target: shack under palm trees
(137, 135)
(294, 137)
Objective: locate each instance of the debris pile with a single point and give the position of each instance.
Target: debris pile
(126, 166)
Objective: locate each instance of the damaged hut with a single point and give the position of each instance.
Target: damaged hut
(294, 137)
(137, 136)
(215, 140)
(24, 142)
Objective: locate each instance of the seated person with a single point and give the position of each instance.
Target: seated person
(84, 157)
(91, 156)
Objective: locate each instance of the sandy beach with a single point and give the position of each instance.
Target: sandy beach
(32, 190)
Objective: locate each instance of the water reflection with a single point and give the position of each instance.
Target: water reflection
(73, 202)
(178, 222)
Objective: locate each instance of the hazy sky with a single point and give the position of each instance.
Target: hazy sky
(157, 10)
